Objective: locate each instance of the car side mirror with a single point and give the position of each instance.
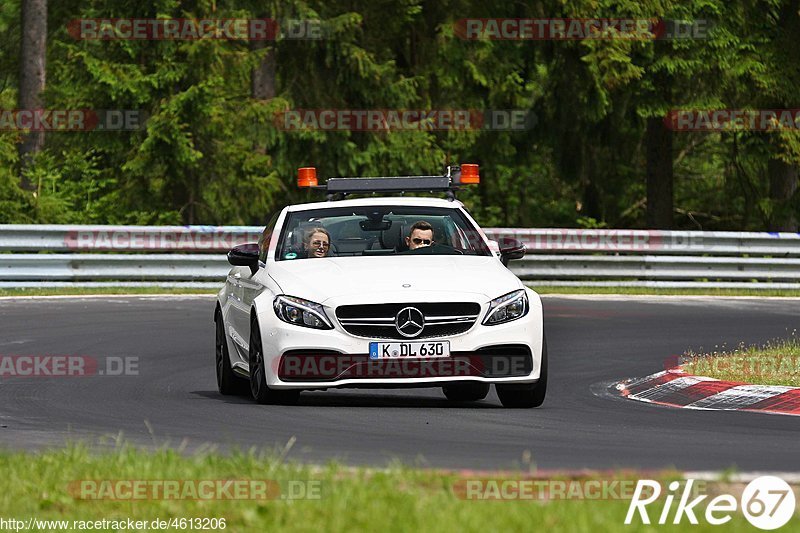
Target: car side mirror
(511, 249)
(245, 255)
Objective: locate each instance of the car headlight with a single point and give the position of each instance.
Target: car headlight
(506, 308)
(301, 312)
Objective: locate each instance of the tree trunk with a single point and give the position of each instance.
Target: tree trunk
(658, 140)
(262, 81)
(782, 187)
(591, 199)
(32, 73)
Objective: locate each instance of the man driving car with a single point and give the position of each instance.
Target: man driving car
(420, 235)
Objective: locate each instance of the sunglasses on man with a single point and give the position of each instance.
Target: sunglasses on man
(417, 240)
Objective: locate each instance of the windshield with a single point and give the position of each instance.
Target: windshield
(378, 230)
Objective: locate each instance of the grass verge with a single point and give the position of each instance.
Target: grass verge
(776, 363)
(43, 486)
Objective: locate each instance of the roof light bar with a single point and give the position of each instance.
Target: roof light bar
(454, 177)
(470, 174)
(307, 177)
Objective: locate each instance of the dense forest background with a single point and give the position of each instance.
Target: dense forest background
(599, 154)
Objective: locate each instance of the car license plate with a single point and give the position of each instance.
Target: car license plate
(398, 350)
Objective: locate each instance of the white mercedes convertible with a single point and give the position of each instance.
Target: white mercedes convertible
(376, 292)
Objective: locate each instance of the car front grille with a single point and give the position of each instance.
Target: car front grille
(378, 320)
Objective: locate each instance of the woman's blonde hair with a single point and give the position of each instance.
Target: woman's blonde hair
(311, 231)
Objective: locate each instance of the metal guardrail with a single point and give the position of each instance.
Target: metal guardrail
(198, 239)
(654, 242)
(147, 255)
(656, 267)
(130, 267)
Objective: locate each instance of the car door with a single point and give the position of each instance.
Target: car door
(248, 285)
(238, 312)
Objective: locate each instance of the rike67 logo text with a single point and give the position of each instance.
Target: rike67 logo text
(767, 502)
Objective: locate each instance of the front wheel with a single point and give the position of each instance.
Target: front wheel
(258, 374)
(529, 394)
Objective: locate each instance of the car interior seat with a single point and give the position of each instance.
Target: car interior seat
(394, 238)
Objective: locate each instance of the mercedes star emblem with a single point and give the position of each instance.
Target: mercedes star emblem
(409, 322)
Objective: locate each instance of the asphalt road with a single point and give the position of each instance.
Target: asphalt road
(592, 342)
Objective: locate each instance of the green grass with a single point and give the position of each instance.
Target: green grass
(351, 499)
(776, 363)
(668, 292)
(80, 291)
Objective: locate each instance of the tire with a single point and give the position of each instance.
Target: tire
(228, 383)
(258, 375)
(527, 395)
(466, 392)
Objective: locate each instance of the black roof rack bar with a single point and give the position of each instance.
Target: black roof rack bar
(387, 184)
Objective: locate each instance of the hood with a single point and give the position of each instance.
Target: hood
(333, 277)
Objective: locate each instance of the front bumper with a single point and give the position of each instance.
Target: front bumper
(304, 358)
